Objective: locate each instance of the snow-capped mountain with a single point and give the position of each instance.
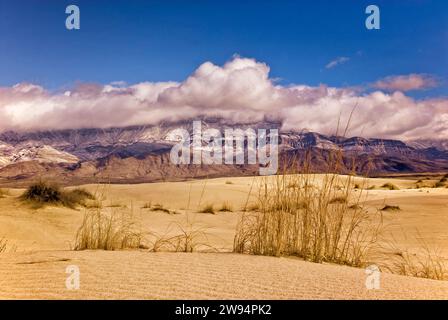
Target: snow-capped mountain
(141, 153)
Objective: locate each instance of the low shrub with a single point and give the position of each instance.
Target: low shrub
(390, 186)
(43, 193)
(208, 208)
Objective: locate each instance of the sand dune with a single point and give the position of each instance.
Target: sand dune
(42, 239)
(142, 275)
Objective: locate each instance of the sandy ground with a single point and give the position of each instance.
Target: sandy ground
(142, 275)
(40, 241)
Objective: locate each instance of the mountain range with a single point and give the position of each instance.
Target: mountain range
(141, 154)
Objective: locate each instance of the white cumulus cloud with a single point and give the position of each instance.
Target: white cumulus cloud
(240, 91)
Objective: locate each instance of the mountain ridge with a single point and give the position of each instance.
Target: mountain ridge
(141, 154)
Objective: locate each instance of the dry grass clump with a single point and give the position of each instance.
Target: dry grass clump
(43, 193)
(147, 205)
(390, 186)
(187, 238)
(427, 265)
(441, 183)
(208, 208)
(158, 207)
(318, 220)
(426, 262)
(118, 228)
(226, 207)
(390, 208)
(113, 230)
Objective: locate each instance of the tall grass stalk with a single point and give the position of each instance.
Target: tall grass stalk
(299, 216)
(108, 229)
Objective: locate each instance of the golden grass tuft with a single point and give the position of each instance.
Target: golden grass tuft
(112, 230)
(147, 205)
(390, 186)
(187, 238)
(208, 208)
(158, 207)
(42, 193)
(426, 262)
(226, 207)
(312, 220)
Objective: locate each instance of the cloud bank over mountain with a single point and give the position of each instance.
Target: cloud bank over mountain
(240, 91)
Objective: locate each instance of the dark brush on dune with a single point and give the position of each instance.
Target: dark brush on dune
(42, 193)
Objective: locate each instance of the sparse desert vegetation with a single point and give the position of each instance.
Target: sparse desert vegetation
(226, 207)
(425, 265)
(311, 220)
(208, 208)
(387, 207)
(42, 193)
(424, 262)
(325, 222)
(188, 238)
(286, 215)
(158, 207)
(114, 230)
(390, 186)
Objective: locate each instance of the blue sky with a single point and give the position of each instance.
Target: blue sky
(137, 41)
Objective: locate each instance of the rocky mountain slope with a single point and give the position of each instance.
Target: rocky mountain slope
(141, 154)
